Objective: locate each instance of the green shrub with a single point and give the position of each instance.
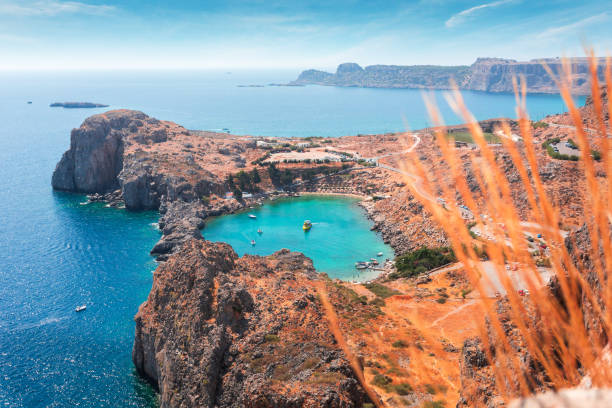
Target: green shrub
(433, 404)
(422, 260)
(377, 301)
(381, 380)
(540, 125)
(271, 338)
(401, 389)
(381, 290)
(399, 344)
(596, 155)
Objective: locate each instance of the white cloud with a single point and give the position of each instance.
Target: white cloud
(463, 15)
(51, 8)
(11, 38)
(557, 32)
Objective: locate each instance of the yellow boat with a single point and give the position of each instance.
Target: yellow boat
(307, 225)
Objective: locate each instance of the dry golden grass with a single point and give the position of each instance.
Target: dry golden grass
(552, 328)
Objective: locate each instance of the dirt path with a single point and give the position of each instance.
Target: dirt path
(452, 312)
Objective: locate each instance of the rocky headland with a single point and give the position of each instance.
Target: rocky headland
(223, 331)
(486, 74)
(108, 159)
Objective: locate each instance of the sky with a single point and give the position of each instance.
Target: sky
(265, 34)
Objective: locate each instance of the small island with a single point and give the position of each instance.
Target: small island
(77, 105)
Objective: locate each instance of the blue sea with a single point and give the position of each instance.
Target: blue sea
(56, 254)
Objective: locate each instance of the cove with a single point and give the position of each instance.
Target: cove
(340, 234)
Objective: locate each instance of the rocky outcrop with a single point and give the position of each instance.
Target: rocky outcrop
(486, 74)
(95, 157)
(106, 159)
(222, 331)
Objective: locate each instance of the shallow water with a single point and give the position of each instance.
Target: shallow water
(339, 237)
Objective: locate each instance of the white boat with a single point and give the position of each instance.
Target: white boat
(253, 242)
(80, 308)
(379, 254)
(252, 216)
(361, 266)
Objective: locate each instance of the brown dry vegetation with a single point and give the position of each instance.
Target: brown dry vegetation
(550, 339)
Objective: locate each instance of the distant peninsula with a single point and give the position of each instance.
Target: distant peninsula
(486, 74)
(77, 105)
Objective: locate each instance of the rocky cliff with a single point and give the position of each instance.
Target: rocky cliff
(117, 156)
(486, 74)
(384, 76)
(223, 331)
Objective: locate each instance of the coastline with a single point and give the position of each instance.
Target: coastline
(352, 195)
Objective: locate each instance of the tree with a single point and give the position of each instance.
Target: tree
(255, 176)
(237, 194)
(244, 180)
(274, 174)
(230, 182)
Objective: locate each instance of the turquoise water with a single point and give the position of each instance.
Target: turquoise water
(56, 254)
(339, 237)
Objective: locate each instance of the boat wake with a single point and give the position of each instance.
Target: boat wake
(43, 322)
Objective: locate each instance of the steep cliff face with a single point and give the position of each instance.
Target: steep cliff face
(95, 157)
(223, 331)
(486, 74)
(495, 75)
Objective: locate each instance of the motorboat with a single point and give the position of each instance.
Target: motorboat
(80, 308)
(253, 216)
(253, 242)
(379, 254)
(307, 225)
(259, 231)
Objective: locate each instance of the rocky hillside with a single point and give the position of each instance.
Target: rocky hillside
(223, 331)
(486, 74)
